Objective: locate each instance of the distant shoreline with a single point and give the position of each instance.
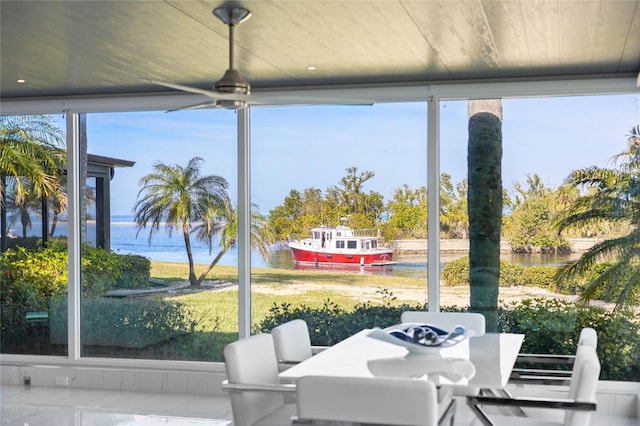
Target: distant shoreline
(462, 245)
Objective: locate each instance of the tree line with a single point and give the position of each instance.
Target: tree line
(530, 212)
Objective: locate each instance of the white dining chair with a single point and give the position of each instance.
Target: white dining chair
(377, 400)
(551, 376)
(472, 321)
(574, 409)
(256, 396)
(293, 343)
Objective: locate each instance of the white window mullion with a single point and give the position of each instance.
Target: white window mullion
(74, 205)
(244, 225)
(433, 200)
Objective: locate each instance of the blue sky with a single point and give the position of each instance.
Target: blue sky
(302, 147)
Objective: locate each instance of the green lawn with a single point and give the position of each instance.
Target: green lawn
(223, 304)
(216, 311)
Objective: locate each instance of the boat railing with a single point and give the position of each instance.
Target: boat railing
(366, 232)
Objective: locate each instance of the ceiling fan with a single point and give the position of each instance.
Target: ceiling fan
(232, 91)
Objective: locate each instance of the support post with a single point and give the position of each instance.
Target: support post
(433, 201)
(244, 225)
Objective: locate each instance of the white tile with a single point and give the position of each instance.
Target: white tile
(44, 406)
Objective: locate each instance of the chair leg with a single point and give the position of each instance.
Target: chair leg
(449, 414)
(479, 413)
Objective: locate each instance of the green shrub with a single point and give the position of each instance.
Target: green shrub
(538, 276)
(16, 300)
(127, 323)
(31, 277)
(45, 270)
(331, 323)
(456, 273)
(553, 326)
(510, 274)
(135, 271)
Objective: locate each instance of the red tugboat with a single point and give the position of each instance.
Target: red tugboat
(341, 245)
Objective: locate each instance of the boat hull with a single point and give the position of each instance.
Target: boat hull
(379, 257)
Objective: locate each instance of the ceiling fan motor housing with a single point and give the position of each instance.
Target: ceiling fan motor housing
(231, 82)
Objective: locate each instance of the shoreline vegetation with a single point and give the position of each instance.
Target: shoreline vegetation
(419, 246)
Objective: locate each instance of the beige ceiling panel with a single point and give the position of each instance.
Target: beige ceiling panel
(460, 34)
(630, 58)
(352, 40)
(94, 47)
(593, 34)
(525, 34)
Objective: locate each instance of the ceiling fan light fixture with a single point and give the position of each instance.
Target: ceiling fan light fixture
(232, 15)
(230, 104)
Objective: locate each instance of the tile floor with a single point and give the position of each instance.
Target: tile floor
(47, 406)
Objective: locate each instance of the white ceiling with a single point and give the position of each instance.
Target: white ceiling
(90, 48)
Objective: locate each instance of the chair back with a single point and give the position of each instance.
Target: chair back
(385, 401)
(473, 322)
(584, 383)
(252, 361)
(589, 337)
(292, 341)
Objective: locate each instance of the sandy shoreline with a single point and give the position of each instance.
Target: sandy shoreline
(449, 296)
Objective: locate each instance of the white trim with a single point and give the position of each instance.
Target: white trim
(399, 92)
(120, 363)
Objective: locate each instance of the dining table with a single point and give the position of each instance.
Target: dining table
(477, 362)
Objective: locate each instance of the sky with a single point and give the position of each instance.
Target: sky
(303, 147)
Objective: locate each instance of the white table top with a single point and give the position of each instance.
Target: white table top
(483, 361)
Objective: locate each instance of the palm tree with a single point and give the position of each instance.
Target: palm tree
(31, 161)
(21, 210)
(484, 198)
(179, 197)
(614, 198)
(30, 148)
(224, 223)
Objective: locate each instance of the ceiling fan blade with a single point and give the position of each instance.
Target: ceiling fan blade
(200, 105)
(209, 93)
(265, 99)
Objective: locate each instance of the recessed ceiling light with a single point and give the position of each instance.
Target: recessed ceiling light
(311, 68)
(21, 80)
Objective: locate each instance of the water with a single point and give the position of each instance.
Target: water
(170, 248)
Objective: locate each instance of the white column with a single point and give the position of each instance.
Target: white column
(433, 220)
(74, 206)
(244, 224)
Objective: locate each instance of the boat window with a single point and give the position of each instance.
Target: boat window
(368, 245)
(374, 244)
(352, 244)
(339, 244)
